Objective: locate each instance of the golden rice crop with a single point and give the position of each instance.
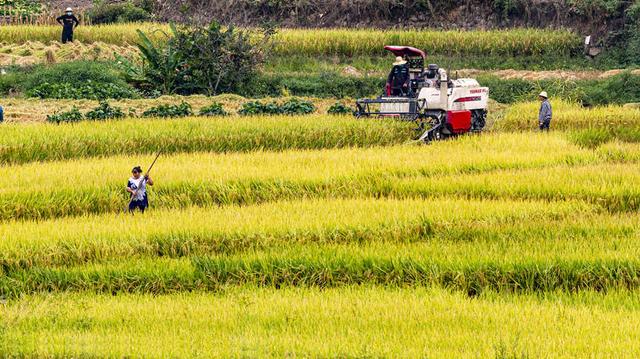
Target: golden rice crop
(233, 229)
(22, 143)
(569, 116)
(117, 34)
(60, 188)
(347, 42)
(373, 322)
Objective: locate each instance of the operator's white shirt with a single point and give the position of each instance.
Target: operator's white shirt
(140, 185)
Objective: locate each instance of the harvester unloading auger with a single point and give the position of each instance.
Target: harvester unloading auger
(441, 107)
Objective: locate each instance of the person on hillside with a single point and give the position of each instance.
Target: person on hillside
(545, 114)
(69, 22)
(398, 80)
(1, 114)
(137, 188)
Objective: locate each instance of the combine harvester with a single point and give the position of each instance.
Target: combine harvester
(440, 106)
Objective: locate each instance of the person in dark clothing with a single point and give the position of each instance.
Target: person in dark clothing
(69, 22)
(545, 114)
(398, 80)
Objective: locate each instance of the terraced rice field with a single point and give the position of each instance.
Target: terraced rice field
(322, 236)
(347, 42)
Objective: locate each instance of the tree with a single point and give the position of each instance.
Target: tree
(208, 60)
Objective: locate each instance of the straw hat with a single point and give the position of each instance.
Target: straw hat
(544, 94)
(399, 61)
(69, 10)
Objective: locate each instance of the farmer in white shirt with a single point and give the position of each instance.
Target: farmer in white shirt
(137, 187)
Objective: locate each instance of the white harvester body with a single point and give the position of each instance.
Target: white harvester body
(441, 106)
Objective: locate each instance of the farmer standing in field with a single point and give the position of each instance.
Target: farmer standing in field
(398, 80)
(137, 187)
(69, 22)
(545, 114)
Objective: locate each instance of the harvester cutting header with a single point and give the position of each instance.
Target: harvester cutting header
(440, 106)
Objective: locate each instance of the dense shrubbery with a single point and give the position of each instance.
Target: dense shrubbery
(291, 107)
(120, 13)
(91, 91)
(339, 108)
(198, 59)
(73, 80)
(69, 116)
(216, 109)
(105, 112)
(181, 110)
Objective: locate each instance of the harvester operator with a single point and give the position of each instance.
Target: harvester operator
(398, 80)
(69, 22)
(545, 114)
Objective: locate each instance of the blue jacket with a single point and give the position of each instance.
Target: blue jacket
(545, 112)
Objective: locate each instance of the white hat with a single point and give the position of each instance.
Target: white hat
(399, 61)
(544, 94)
(69, 10)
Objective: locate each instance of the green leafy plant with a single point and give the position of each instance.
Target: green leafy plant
(297, 106)
(339, 108)
(197, 59)
(69, 116)
(119, 13)
(104, 112)
(181, 110)
(91, 91)
(291, 107)
(215, 109)
(259, 108)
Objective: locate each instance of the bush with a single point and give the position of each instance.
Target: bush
(104, 112)
(91, 91)
(118, 13)
(339, 108)
(291, 107)
(182, 110)
(297, 107)
(258, 108)
(10, 83)
(620, 89)
(70, 116)
(76, 73)
(76, 80)
(215, 109)
(197, 59)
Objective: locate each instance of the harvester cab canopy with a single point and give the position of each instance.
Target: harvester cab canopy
(415, 57)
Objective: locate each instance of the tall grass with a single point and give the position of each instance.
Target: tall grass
(346, 42)
(28, 143)
(341, 322)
